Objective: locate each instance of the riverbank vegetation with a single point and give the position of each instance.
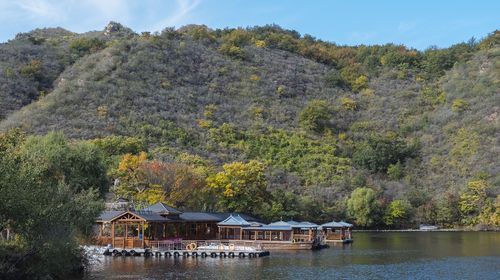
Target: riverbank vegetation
(259, 120)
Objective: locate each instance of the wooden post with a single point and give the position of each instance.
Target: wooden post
(113, 234)
(241, 233)
(142, 227)
(270, 235)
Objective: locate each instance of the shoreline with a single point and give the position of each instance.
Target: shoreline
(419, 230)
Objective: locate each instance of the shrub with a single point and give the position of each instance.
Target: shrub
(334, 79)
(83, 46)
(459, 105)
(315, 116)
(349, 104)
(360, 83)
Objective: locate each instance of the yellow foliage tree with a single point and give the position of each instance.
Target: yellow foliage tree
(240, 186)
(472, 201)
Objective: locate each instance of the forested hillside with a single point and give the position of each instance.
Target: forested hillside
(270, 122)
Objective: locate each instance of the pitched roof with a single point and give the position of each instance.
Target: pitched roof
(268, 227)
(107, 216)
(332, 224)
(200, 216)
(151, 216)
(162, 208)
(306, 225)
(345, 224)
(225, 215)
(234, 221)
(280, 224)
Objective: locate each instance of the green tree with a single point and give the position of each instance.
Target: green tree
(398, 213)
(395, 171)
(80, 165)
(240, 187)
(45, 210)
(363, 206)
(315, 116)
(380, 151)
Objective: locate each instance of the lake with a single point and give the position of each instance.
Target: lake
(373, 255)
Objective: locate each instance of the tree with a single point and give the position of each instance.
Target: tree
(44, 208)
(363, 206)
(240, 187)
(380, 151)
(129, 175)
(315, 116)
(395, 171)
(80, 165)
(398, 213)
(472, 201)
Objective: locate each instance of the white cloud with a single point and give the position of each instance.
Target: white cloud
(180, 16)
(41, 10)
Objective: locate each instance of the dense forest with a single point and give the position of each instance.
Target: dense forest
(259, 120)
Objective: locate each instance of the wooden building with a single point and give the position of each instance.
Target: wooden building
(279, 235)
(159, 222)
(337, 232)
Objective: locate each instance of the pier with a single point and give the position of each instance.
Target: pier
(192, 249)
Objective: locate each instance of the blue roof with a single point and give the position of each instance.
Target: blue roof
(234, 221)
(306, 225)
(269, 227)
(345, 224)
(280, 223)
(332, 224)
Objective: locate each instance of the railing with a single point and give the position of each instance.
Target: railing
(335, 236)
(305, 237)
(178, 244)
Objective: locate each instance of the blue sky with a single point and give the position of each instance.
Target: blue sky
(418, 24)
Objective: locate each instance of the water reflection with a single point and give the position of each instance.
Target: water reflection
(428, 255)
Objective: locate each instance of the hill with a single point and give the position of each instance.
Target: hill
(414, 127)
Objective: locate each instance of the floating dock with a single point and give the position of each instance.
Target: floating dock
(192, 250)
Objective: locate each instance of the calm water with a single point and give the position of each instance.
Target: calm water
(401, 255)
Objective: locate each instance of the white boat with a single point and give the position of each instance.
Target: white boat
(428, 227)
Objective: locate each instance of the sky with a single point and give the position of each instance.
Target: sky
(417, 24)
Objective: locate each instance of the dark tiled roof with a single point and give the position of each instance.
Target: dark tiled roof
(162, 208)
(200, 216)
(107, 216)
(151, 216)
(154, 212)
